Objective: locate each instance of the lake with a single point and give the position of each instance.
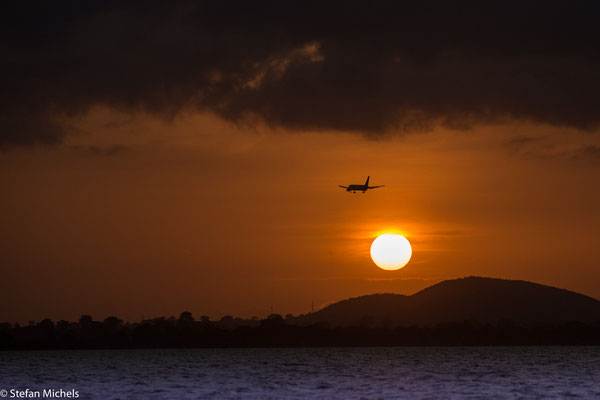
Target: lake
(299, 373)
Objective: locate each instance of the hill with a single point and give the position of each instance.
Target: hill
(486, 300)
(469, 311)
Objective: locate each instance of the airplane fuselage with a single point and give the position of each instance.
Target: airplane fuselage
(354, 188)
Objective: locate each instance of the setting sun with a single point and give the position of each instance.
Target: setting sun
(390, 251)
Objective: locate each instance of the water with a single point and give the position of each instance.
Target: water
(322, 373)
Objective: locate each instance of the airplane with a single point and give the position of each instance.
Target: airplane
(364, 188)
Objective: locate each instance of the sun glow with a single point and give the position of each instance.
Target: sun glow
(391, 251)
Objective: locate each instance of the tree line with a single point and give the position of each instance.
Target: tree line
(277, 331)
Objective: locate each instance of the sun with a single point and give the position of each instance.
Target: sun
(390, 251)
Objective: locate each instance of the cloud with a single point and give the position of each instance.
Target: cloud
(590, 152)
(102, 151)
(352, 66)
(565, 146)
(522, 140)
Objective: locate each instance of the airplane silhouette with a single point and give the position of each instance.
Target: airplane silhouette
(363, 188)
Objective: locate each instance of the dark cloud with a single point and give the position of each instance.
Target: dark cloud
(357, 66)
(520, 141)
(590, 152)
(102, 151)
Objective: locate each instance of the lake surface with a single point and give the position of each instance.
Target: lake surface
(298, 373)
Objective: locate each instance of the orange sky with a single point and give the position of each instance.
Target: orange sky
(135, 215)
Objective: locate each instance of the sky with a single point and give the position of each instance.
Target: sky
(186, 156)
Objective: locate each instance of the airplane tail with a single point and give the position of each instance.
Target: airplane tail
(367, 182)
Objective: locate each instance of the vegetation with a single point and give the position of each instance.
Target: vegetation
(276, 331)
(467, 311)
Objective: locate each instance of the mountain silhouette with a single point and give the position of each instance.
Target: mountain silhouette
(486, 300)
(470, 311)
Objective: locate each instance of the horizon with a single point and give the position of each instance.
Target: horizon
(285, 315)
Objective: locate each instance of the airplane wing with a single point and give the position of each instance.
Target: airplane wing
(375, 187)
(345, 187)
